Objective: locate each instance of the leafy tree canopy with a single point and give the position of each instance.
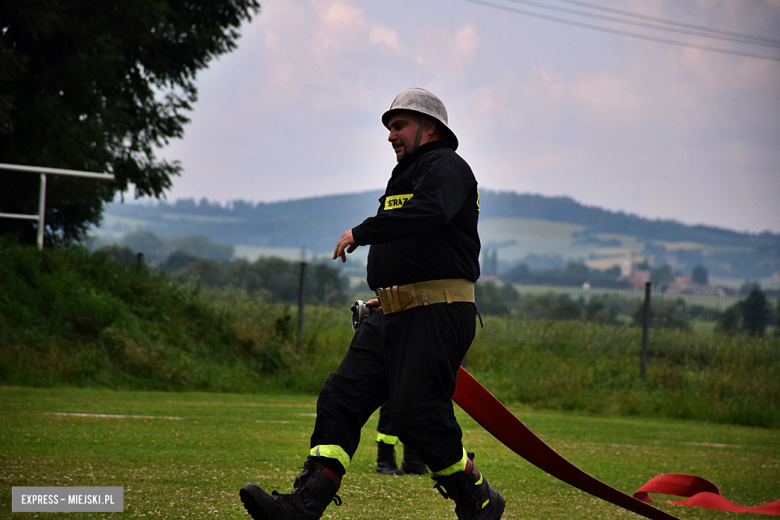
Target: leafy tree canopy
(98, 85)
(700, 275)
(751, 315)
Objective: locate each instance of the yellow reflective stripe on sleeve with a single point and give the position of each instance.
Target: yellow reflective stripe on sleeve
(478, 482)
(484, 504)
(477, 197)
(458, 466)
(396, 201)
(331, 451)
(387, 439)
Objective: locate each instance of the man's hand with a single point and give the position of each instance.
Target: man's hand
(346, 244)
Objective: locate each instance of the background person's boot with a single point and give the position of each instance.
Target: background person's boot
(412, 465)
(474, 498)
(385, 459)
(313, 490)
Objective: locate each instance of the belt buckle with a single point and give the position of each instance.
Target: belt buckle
(384, 301)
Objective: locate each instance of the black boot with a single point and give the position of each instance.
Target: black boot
(412, 465)
(474, 498)
(385, 459)
(313, 490)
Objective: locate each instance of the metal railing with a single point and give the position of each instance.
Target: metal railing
(42, 193)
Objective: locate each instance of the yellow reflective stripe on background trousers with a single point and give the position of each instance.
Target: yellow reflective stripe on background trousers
(331, 451)
(386, 439)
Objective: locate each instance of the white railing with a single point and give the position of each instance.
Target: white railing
(42, 194)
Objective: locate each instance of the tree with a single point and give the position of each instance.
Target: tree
(748, 287)
(751, 315)
(97, 86)
(493, 299)
(665, 315)
(596, 311)
(490, 262)
(700, 275)
(730, 320)
(156, 249)
(757, 313)
(777, 324)
(662, 274)
(273, 279)
(144, 242)
(517, 274)
(177, 261)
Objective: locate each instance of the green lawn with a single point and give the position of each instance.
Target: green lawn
(193, 465)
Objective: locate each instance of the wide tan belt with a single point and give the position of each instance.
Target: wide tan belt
(402, 297)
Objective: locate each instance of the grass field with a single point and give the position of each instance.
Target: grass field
(191, 464)
(714, 302)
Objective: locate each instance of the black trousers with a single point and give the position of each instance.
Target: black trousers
(385, 424)
(410, 358)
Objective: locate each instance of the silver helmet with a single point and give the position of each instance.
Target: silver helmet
(423, 102)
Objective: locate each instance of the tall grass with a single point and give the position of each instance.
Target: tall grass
(68, 317)
(590, 367)
(71, 318)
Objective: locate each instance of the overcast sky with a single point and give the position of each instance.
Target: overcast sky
(613, 121)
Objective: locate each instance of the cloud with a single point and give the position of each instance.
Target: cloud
(445, 52)
(315, 52)
(386, 37)
(538, 100)
(340, 14)
(325, 52)
(543, 86)
(511, 101)
(601, 92)
(617, 122)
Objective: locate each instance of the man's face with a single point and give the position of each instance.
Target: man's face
(403, 132)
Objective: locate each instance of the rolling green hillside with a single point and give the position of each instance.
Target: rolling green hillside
(518, 226)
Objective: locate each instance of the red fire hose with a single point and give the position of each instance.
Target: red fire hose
(702, 493)
(504, 426)
(488, 411)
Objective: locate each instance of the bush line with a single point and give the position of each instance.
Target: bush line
(71, 318)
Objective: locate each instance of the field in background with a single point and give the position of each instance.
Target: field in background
(570, 365)
(81, 319)
(561, 231)
(518, 237)
(515, 237)
(192, 466)
(93, 333)
(633, 295)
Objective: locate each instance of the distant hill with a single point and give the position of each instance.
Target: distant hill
(518, 226)
(597, 220)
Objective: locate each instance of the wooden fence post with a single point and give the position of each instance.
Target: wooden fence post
(645, 332)
(300, 306)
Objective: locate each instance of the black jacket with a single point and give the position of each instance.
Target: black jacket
(426, 225)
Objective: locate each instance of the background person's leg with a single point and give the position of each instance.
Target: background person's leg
(386, 441)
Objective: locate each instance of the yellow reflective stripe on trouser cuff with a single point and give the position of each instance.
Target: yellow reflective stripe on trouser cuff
(331, 451)
(386, 439)
(458, 466)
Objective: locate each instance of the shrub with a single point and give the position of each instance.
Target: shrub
(751, 315)
(665, 315)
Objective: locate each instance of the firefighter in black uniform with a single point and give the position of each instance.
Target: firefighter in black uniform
(422, 263)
